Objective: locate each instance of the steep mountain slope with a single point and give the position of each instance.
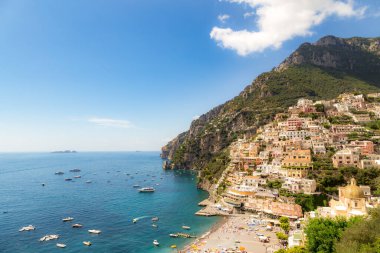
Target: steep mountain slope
(322, 70)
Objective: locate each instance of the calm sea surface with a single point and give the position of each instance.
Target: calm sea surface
(109, 203)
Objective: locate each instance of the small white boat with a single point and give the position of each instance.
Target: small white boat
(61, 245)
(147, 189)
(77, 176)
(77, 225)
(89, 182)
(186, 227)
(94, 231)
(154, 225)
(173, 235)
(155, 219)
(27, 228)
(67, 219)
(135, 220)
(156, 243)
(48, 238)
(87, 243)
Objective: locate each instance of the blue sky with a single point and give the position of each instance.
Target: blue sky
(106, 75)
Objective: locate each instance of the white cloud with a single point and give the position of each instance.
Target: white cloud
(279, 20)
(248, 14)
(111, 122)
(223, 18)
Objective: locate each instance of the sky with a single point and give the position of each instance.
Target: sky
(124, 75)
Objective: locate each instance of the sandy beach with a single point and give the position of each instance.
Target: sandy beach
(235, 233)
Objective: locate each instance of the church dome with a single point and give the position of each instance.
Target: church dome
(353, 191)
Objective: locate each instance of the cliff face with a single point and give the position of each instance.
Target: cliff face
(321, 70)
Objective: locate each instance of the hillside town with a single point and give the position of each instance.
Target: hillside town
(271, 173)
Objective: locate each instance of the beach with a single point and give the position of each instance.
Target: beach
(235, 233)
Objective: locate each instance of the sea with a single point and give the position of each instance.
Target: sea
(109, 203)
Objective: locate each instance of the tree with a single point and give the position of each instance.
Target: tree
(282, 236)
(296, 249)
(284, 224)
(322, 233)
(362, 237)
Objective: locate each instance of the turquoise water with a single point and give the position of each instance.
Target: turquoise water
(109, 203)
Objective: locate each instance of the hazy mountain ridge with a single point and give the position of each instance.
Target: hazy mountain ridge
(322, 70)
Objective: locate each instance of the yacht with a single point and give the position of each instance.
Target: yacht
(186, 227)
(79, 176)
(173, 235)
(147, 189)
(48, 238)
(68, 179)
(27, 228)
(156, 243)
(67, 219)
(77, 225)
(94, 231)
(87, 243)
(61, 245)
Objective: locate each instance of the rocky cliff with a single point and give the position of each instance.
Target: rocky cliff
(321, 70)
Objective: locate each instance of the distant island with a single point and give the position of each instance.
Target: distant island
(64, 152)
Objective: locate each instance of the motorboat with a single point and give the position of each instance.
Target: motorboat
(79, 176)
(87, 243)
(156, 243)
(88, 182)
(68, 179)
(67, 219)
(94, 231)
(147, 189)
(61, 245)
(135, 220)
(186, 227)
(173, 235)
(48, 238)
(59, 173)
(77, 225)
(75, 170)
(27, 228)
(154, 225)
(155, 219)
(173, 246)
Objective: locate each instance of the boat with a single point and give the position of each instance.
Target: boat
(173, 246)
(173, 235)
(147, 189)
(135, 220)
(94, 231)
(88, 182)
(156, 243)
(79, 176)
(27, 228)
(61, 245)
(154, 225)
(75, 170)
(184, 235)
(48, 238)
(186, 227)
(68, 179)
(87, 243)
(43, 184)
(155, 219)
(59, 173)
(67, 219)
(77, 225)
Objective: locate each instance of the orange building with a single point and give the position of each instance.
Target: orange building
(297, 163)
